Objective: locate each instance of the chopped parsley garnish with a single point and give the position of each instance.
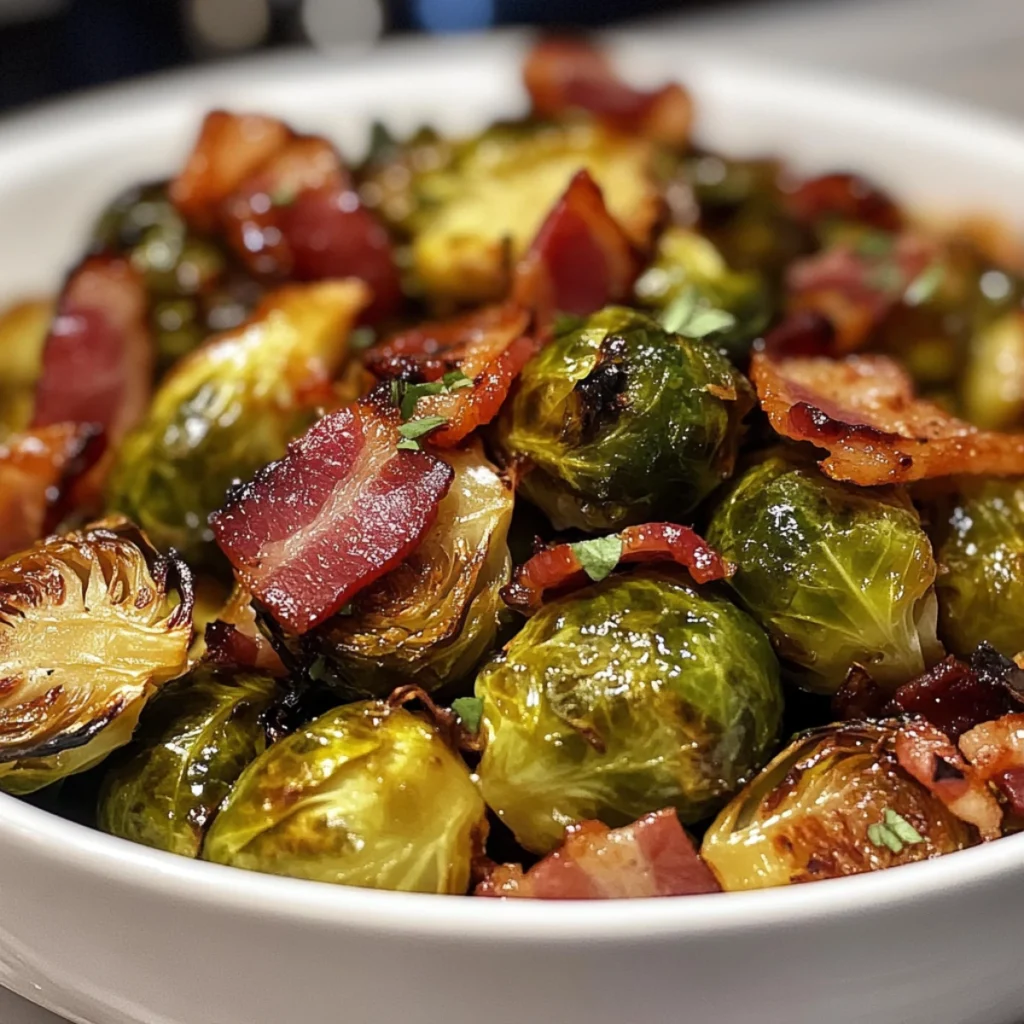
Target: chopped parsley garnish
(417, 428)
(684, 315)
(598, 557)
(894, 832)
(470, 710)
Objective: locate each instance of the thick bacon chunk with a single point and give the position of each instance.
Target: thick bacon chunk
(488, 347)
(652, 857)
(843, 196)
(558, 568)
(337, 512)
(863, 412)
(996, 752)
(565, 75)
(233, 639)
(36, 471)
(581, 259)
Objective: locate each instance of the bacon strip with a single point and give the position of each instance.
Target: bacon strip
(488, 346)
(652, 857)
(337, 512)
(581, 259)
(558, 568)
(565, 75)
(843, 196)
(996, 752)
(234, 639)
(36, 471)
(863, 412)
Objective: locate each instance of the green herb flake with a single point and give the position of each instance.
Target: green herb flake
(684, 315)
(470, 710)
(410, 394)
(679, 311)
(284, 195)
(598, 557)
(875, 244)
(407, 444)
(886, 277)
(417, 428)
(925, 285)
(361, 339)
(893, 832)
(708, 321)
(902, 828)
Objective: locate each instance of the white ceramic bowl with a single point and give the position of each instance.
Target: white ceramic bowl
(107, 932)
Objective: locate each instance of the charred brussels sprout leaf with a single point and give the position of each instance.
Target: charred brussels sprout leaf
(367, 795)
(91, 625)
(836, 574)
(729, 309)
(621, 422)
(833, 803)
(637, 693)
(433, 618)
(981, 591)
(192, 743)
(230, 408)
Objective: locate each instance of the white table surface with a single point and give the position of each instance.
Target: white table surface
(968, 50)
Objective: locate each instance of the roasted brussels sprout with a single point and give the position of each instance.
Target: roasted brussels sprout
(91, 625)
(635, 694)
(836, 574)
(833, 803)
(229, 409)
(366, 795)
(432, 619)
(981, 550)
(480, 204)
(728, 309)
(621, 422)
(992, 392)
(23, 329)
(194, 739)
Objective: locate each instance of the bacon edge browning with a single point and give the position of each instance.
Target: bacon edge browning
(567, 75)
(652, 857)
(340, 509)
(558, 569)
(863, 412)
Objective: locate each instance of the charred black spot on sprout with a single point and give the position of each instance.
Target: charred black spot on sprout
(602, 392)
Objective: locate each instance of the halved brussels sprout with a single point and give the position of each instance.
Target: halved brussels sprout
(93, 623)
(833, 803)
(367, 795)
(23, 330)
(621, 422)
(981, 550)
(688, 264)
(432, 619)
(230, 408)
(992, 391)
(194, 739)
(477, 212)
(637, 693)
(838, 575)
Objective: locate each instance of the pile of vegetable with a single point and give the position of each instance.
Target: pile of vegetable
(562, 512)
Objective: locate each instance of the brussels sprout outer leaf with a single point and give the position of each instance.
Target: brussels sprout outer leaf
(37, 469)
(567, 566)
(91, 625)
(340, 509)
(581, 259)
(564, 75)
(366, 795)
(193, 741)
(862, 410)
(652, 857)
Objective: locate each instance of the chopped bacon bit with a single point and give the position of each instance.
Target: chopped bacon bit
(927, 754)
(846, 197)
(234, 640)
(563, 75)
(857, 290)
(652, 857)
(343, 507)
(98, 358)
(36, 470)
(996, 752)
(230, 147)
(863, 411)
(488, 346)
(581, 259)
(558, 569)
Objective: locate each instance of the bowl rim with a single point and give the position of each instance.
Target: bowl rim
(76, 849)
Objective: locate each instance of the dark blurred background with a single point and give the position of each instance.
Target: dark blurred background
(52, 46)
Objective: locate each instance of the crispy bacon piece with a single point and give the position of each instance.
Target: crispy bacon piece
(488, 346)
(286, 205)
(234, 639)
(98, 358)
(928, 754)
(565, 75)
(36, 471)
(863, 411)
(652, 857)
(996, 752)
(844, 197)
(343, 507)
(558, 568)
(855, 289)
(581, 259)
